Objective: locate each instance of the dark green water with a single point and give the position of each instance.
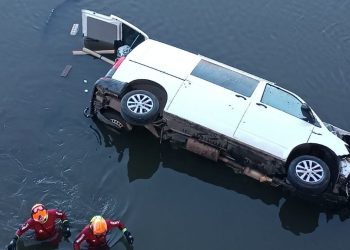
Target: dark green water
(169, 199)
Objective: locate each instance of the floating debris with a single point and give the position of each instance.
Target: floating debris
(75, 29)
(50, 15)
(66, 70)
(93, 53)
(80, 53)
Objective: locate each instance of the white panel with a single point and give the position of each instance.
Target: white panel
(209, 105)
(100, 17)
(324, 137)
(272, 130)
(165, 58)
(114, 20)
(129, 71)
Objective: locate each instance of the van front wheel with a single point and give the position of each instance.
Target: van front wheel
(309, 173)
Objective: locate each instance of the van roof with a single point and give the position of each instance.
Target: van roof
(165, 58)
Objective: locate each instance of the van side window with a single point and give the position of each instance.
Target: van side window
(282, 100)
(225, 78)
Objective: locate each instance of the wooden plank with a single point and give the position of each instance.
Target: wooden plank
(80, 52)
(66, 70)
(93, 53)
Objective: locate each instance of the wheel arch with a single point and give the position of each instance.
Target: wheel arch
(151, 86)
(320, 151)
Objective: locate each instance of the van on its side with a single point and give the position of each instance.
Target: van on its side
(217, 111)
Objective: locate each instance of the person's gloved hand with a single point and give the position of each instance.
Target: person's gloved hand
(128, 236)
(66, 229)
(12, 245)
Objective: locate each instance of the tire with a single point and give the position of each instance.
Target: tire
(139, 107)
(309, 174)
(117, 120)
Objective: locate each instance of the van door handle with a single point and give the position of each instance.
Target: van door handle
(240, 96)
(260, 104)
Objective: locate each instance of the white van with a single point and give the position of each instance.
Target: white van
(217, 111)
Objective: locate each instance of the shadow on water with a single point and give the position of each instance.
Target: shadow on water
(142, 149)
(28, 242)
(301, 217)
(146, 155)
(35, 246)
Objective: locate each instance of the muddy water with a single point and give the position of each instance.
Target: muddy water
(169, 199)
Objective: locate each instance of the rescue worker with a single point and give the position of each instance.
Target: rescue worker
(43, 222)
(95, 233)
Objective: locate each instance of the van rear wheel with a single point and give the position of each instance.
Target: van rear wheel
(139, 107)
(309, 173)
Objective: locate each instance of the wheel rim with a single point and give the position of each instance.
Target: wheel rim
(140, 103)
(309, 171)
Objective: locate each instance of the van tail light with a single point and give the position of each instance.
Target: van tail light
(118, 62)
(115, 66)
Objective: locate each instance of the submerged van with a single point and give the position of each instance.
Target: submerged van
(217, 111)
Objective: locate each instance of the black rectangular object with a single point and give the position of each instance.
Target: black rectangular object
(101, 30)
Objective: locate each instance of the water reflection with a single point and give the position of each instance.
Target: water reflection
(301, 217)
(25, 245)
(146, 155)
(142, 149)
(28, 242)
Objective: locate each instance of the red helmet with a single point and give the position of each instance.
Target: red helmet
(98, 225)
(39, 213)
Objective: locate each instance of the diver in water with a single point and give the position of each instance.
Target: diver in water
(95, 233)
(43, 223)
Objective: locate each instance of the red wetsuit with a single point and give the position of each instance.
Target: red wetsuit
(46, 230)
(93, 241)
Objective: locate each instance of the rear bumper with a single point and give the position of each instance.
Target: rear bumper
(106, 94)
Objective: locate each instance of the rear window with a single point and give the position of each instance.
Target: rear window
(131, 37)
(101, 30)
(225, 78)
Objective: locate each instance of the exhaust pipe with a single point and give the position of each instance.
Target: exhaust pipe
(252, 173)
(256, 175)
(202, 149)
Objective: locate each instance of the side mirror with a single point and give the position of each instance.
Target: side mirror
(306, 111)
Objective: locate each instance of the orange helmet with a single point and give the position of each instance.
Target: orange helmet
(39, 213)
(98, 225)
